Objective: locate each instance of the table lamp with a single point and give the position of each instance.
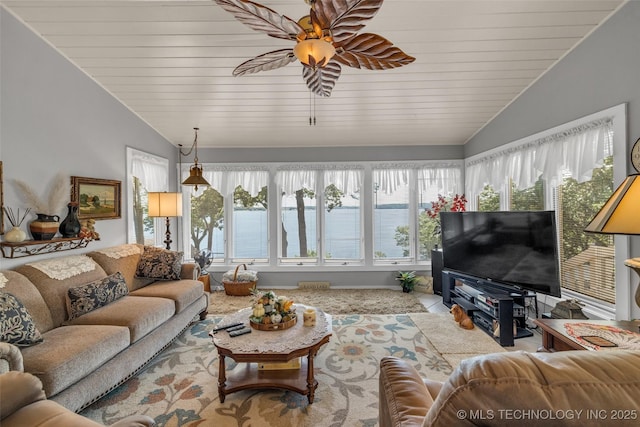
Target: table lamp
(619, 215)
(165, 205)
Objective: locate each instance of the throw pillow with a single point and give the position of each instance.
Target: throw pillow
(159, 264)
(16, 324)
(86, 298)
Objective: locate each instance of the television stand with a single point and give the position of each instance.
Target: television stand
(495, 308)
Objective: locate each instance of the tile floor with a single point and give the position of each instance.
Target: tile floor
(434, 304)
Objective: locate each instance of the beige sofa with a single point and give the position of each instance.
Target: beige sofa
(571, 388)
(82, 359)
(23, 403)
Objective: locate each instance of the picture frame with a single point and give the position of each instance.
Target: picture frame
(96, 198)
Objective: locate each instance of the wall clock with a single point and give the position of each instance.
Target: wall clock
(635, 155)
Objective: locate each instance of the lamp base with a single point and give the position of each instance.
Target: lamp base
(634, 264)
(167, 234)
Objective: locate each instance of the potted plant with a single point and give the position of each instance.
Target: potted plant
(407, 279)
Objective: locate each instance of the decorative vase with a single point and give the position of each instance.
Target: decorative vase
(70, 226)
(15, 235)
(44, 227)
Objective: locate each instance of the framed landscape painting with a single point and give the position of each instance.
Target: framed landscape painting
(96, 198)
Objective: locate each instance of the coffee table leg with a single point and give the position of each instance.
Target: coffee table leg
(311, 382)
(222, 379)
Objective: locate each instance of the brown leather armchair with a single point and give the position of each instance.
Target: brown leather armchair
(571, 388)
(23, 403)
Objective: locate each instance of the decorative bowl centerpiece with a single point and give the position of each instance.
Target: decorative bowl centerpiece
(271, 312)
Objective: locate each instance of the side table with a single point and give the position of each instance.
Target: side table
(556, 338)
(204, 278)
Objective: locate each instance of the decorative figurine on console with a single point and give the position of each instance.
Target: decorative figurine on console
(461, 317)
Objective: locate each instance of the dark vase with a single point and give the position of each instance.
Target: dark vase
(44, 227)
(70, 226)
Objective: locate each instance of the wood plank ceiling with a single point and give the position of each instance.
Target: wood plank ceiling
(170, 62)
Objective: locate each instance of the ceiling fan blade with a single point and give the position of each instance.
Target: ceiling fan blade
(321, 80)
(344, 17)
(371, 51)
(261, 18)
(265, 62)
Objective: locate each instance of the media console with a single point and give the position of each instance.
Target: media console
(491, 305)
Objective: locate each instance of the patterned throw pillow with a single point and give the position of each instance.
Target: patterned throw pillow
(159, 264)
(16, 324)
(86, 298)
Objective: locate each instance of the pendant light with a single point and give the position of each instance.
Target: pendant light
(195, 173)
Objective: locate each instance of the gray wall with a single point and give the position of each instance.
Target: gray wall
(53, 118)
(603, 71)
(345, 154)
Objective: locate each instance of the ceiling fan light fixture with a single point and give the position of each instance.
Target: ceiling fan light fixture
(314, 51)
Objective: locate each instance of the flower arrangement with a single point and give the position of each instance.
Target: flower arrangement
(456, 204)
(268, 308)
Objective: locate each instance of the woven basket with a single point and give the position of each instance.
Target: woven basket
(239, 289)
(273, 326)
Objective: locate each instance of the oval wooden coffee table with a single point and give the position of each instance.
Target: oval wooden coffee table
(271, 347)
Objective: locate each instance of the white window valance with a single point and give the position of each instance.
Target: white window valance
(348, 181)
(445, 176)
(225, 179)
(152, 171)
(291, 181)
(572, 153)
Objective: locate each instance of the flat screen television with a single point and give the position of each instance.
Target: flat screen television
(518, 248)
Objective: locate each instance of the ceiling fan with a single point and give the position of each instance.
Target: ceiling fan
(325, 38)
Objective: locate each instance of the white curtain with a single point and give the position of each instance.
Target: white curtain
(573, 153)
(291, 181)
(447, 179)
(348, 181)
(225, 179)
(388, 180)
(151, 170)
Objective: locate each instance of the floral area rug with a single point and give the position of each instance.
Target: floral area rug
(179, 388)
(332, 301)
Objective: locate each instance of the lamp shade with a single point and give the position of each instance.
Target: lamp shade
(319, 50)
(165, 204)
(621, 213)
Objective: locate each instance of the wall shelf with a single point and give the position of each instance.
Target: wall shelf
(38, 247)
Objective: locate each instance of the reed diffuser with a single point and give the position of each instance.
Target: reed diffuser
(16, 234)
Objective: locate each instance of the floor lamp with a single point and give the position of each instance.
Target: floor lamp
(165, 205)
(619, 215)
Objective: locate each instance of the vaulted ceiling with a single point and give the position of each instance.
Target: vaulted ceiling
(171, 63)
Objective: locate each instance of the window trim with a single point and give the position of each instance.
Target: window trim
(130, 154)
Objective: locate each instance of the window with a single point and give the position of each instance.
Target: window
(342, 215)
(392, 214)
(229, 219)
(544, 172)
(145, 172)
(323, 212)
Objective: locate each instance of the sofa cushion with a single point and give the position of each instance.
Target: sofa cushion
(123, 259)
(84, 299)
(16, 324)
(183, 292)
(54, 291)
(69, 353)
(159, 264)
(140, 314)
